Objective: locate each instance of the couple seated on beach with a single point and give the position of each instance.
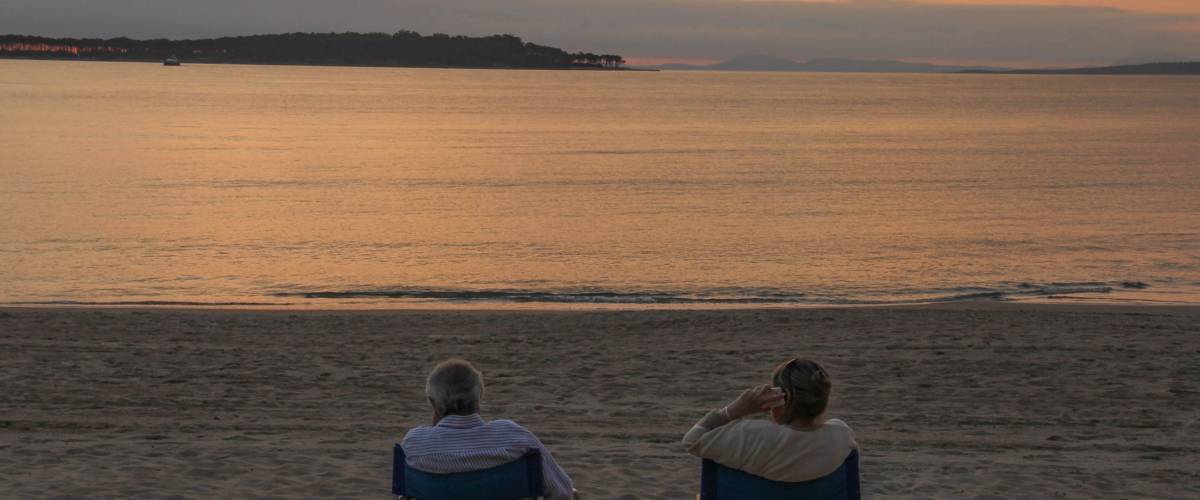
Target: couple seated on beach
(796, 444)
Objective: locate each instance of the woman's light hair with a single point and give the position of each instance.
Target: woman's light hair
(806, 387)
(454, 387)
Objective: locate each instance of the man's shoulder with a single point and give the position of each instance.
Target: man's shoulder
(432, 432)
(507, 426)
(416, 433)
(511, 432)
(420, 429)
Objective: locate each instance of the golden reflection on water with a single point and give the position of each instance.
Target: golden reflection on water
(231, 183)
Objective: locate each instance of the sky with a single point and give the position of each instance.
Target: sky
(1027, 33)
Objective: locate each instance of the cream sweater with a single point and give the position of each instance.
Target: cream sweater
(774, 451)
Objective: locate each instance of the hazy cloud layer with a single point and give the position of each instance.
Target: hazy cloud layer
(660, 28)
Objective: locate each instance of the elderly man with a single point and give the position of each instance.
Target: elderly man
(461, 441)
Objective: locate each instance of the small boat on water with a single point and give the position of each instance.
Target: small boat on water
(171, 61)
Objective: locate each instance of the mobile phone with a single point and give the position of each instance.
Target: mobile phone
(776, 391)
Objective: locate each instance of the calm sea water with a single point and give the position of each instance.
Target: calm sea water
(126, 182)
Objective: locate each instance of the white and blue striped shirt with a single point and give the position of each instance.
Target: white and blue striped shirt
(464, 443)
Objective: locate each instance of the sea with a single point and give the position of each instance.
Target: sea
(336, 187)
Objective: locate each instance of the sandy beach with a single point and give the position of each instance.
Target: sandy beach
(976, 400)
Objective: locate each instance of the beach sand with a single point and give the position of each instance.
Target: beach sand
(978, 400)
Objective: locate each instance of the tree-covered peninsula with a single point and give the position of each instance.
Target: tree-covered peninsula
(403, 48)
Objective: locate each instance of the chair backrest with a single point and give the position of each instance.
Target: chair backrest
(718, 482)
(521, 478)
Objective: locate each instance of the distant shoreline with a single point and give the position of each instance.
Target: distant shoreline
(400, 49)
(1189, 69)
(318, 65)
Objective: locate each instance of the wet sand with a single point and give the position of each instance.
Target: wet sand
(974, 400)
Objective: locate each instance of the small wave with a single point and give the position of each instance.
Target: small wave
(725, 296)
(1067, 290)
(539, 296)
(730, 296)
(996, 295)
(180, 303)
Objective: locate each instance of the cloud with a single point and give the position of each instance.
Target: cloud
(660, 28)
(1168, 6)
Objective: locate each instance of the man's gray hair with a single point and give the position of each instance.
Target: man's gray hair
(454, 387)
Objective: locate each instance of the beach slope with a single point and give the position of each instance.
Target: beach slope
(985, 400)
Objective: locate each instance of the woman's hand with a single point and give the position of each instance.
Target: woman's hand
(753, 400)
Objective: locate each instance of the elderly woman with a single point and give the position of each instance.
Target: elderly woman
(796, 444)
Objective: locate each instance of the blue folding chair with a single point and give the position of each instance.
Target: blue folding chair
(521, 478)
(718, 482)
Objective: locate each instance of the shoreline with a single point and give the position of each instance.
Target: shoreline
(1052, 303)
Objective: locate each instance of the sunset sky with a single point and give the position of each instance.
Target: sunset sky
(1003, 32)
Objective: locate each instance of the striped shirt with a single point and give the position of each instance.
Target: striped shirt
(464, 443)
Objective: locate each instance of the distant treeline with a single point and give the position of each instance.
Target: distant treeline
(403, 48)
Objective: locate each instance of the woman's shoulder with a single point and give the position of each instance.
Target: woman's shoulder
(746, 429)
(841, 428)
(753, 425)
(837, 422)
(838, 426)
(764, 425)
(763, 428)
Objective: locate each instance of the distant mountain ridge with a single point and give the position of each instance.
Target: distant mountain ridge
(1171, 68)
(775, 63)
(758, 62)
